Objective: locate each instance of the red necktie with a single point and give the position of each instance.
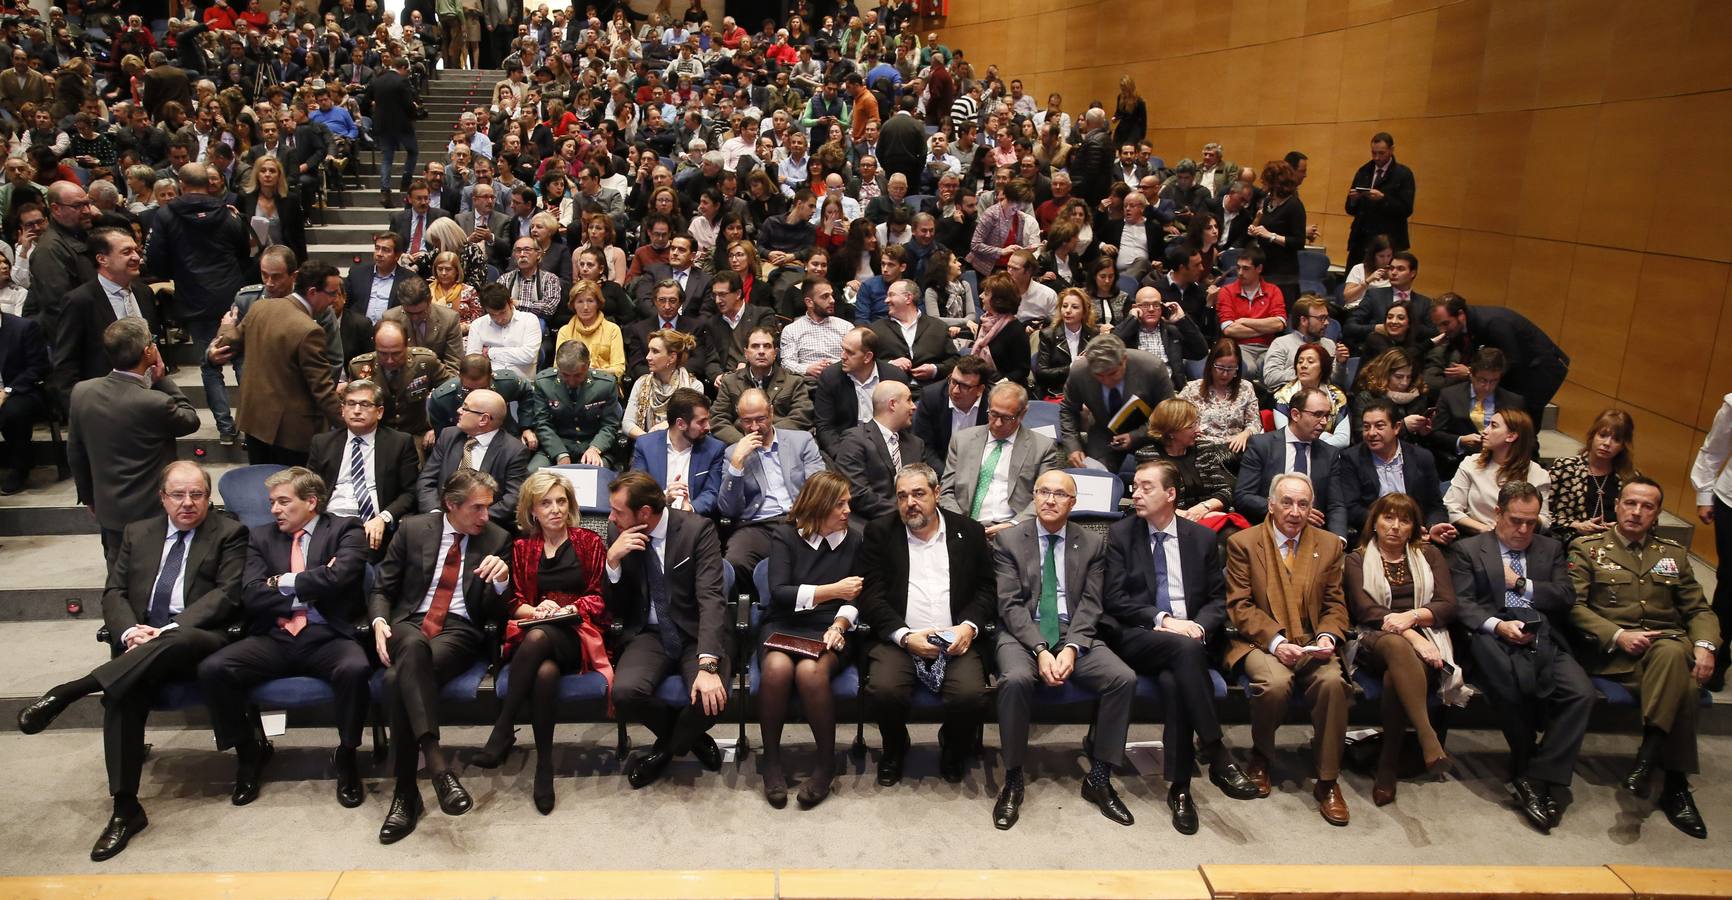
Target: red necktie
(1015, 236)
(435, 620)
(297, 563)
(415, 240)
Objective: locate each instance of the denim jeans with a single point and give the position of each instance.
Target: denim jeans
(216, 395)
(388, 146)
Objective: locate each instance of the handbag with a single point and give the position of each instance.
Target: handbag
(793, 645)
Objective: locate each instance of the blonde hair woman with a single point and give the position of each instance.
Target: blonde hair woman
(450, 291)
(603, 338)
(446, 236)
(646, 409)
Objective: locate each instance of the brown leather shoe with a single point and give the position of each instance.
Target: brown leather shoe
(1330, 802)
(1257, 769)
(1382, 795)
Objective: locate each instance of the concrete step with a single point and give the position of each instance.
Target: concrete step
(373, 217)
(42, 573)
(202, 445)
(50, 506)
(341, 254)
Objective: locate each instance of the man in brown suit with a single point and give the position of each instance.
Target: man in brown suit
(287, 393)
(162, 83)
(425, 323)
(21, 84)
(1284, 598)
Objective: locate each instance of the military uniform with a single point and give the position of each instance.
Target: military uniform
(404, 391)
(443, 402)
(568, 422)
(1647, 586)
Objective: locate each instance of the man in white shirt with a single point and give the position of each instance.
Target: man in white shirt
(509, 338)
(1711, 478)
(1038, 300)
(476, 140)
(813, 342)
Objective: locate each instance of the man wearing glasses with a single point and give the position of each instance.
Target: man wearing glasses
(1313, 320)
(476, 442)
(62, 260)
(990, 470)
(371, 470)
(1296, 448)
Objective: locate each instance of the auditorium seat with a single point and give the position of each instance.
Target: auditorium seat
(243, 493)
(845, 685)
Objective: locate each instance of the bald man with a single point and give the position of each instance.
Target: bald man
(476, 442)
(873, 452)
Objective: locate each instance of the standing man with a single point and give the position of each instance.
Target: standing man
(873, 452)
(477, 442)
(370, 470)
(24, 370)
(1118, 388)
(62, 259)
(113, 295)
(287, 393)
(1380, 199)
(1645, 625)
(1711, 478)
(990, 470)
(1048, 573)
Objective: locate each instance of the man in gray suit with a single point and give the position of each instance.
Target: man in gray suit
(990, 471)
(123, 426)
(764, 473)
(1049, 599)
(871, 453)
(1096, 391)
(484, 223)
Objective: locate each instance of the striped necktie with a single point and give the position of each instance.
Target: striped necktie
(358, 479)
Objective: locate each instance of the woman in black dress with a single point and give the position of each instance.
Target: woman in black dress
(812, 590)
(1279, 229)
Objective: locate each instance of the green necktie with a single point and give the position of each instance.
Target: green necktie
(1049, 593)
(984, 481)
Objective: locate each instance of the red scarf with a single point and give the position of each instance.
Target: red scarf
(526, 554)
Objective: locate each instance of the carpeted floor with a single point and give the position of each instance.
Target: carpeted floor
(54, 792)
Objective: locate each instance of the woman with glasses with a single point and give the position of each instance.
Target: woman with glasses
(1226, 402)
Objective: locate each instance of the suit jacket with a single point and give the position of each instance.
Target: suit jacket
(1356, 471)
(311, 145)
(637, 334)
(1374, 305)
(1266, 456)
(358, 284)
(932, 344)
(1031, 455)
(499, 250)
(444, 331)
(692, 567)
(1145, 377)
(864, 459)
(932, 422)
(289, 214)
(506, 459)
(393, 99)
(697, 290)
(1522, 342)
(256, 151)
(78, 353)
(211, 574)
(1130, 576)
(1476, 566)
(703, 473)
(790, 402)
(24, 363)
(1181, 340)
(162, 84)
(403, 223)
(742, 495)
(395, 467)
(835, 409)
(337, 557)
(728, 344)
(884, 565)
(1018, 554)
(1265, 599)
(1389, 215)
(287, 392)
(1454, 417)
(126, 432)
(412, 565)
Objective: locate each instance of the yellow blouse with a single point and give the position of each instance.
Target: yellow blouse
(606, 344)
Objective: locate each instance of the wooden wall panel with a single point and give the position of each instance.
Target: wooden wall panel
(1482, 270)
(1455, 59)
(1618, 206)
(1601, 301)
(1511, 67)
(1650, 35)
(1671, 341)
(1557, 172)
(1366, 54)
(1576, 49)
(1407, 65)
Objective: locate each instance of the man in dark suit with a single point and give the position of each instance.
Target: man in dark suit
(442, 578)
(1536, 366)
(693, 281)
(945, 409)
(1182, 283)
(411, 223)
(1380, 198)
(442, 194)
(666, 313)
(1049, 603)
(1297, 448)
(1165, 591)
(392, 98)
(484, 223)
(162, 83)
(477, 442)
(837, 405)
(371, 470)
(372, 289)
(24, 369)
(1463, 409)
(1110, 378)
(421, 322)
(664, 587)
(1513, 594)
(270, 143)
(307, 149)
(191, 588)
(913, 561)
(115, 294)
(928, 356)
(1147, 237)
(730, 325)
(682, 458)
(1382, 463)
(122, 428)
(1374, 305)
(1236, 212)
(301, 602)
(873, 452)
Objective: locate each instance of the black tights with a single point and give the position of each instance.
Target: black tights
(781, 674)
(534, 674)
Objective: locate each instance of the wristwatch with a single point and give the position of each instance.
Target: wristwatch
(1040, 648)
(710, 666)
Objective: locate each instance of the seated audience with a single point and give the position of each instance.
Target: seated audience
(1311, 319)
(1226, 401)
(589, 325)
(1389, 377)
(478, 441)
(646, 409)
(1585, 487)
(1463, 409)
(990, 470)
(1312, 367)
(1202, 487)
(1297, 448)
(510, 338)
(873, 452)
(842, 396)
(1062, 342)
(369, 470)
(1510, 453)
(1383, 463)
(1251, 311)
(789, 396)
(682, 457)
(942, 411)
(1162, 329)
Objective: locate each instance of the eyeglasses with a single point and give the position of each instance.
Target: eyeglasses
(184, 496)
(1226, 370)
(359, 404)
(1050, 494)
(992, 416)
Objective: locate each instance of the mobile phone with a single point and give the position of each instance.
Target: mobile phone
(1361, 190)
(1527, 627)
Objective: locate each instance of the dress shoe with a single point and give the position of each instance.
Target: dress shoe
(1383, 794)
(1330, 802)
(1257, 769)
(1554, 811)
(120, 830)
(707, 753)
(543, 789)
(1184, 811)
(775, 787)
(1641, 777)
(646, 769)
(349, 792)
(815, 791)
(247, 775)
(1442, 765)
(385, 199)
(1007, 808)
(952, 766)
(39, 715)
(492, 756)
(400, 820)
(890, 768)
(13, 482)
(1680, 810)
(1534, 803)
(453, 799)
(1107, 801)
(1233, 782)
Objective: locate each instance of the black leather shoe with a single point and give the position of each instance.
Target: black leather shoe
(39, 715)
(115, 837)
(1680, 810)
(453, 799)
(1534, 804)
(1007, 809)
(1233, 782)
(707, 753)
(890, 768)
(493, 756)
(400, 820)
(543, 795)
(1107, 800)
(247, 775)
(646, 769)
(952, 766)
(1184, 811)
(1641, 777)
(349, 791)
(1554, 811)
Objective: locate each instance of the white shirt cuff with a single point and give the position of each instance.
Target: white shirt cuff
(169, 627)
(286, 584)
(850, 612)
(734, 471)
(612, 573)
(897, 635)
(387, 517)
(804, 599)
(124, 635)
(1278, 641)
(1489, 626)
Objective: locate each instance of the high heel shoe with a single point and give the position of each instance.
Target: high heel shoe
(494, 754)
(1440, 764)
(1383, 794)
(544, 789)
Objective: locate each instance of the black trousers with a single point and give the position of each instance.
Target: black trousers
(642, 667)
(1723, 589)
(890, 689)
(1538, 384)
(419, 665)
(1533, 689)
(319, 651)
(750, 544)
(1180, 667)
(129, 685)
(260, 453)
(18, 415)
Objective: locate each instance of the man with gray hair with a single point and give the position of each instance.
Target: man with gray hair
(1091, 162)
(872, 453)
(990, 470)
(911, 340)
(1118, 389)
(1214, 173)
(574, 410)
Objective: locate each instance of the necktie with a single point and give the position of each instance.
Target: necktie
(434, 621)
(128, 306)
(421, 332)
(895, 453)
(658, 597)
(1302, 457)
(160, 595)
(1163, 590)
(1511, 598)
(681, 278)
(1015, 236)
(1476, 413)
(983, 483)
(1112, 398)
(358, 480)
(469, 461)
(296, 620)
(1289, 546)
(415, 239)
(1049, 593)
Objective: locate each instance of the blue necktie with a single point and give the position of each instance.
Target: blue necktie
(1302, 457)
(1511, 599)
(658, 597)
(358, 480)
(160, 596)
(1163, 591)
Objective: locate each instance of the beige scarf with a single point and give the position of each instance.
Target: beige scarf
(1453, 689)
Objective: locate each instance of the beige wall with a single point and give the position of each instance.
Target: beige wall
(1568, 155)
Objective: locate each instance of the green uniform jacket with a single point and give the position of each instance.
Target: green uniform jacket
(405, 391)
(442, 404)
(569, 423)
(1651, 590)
